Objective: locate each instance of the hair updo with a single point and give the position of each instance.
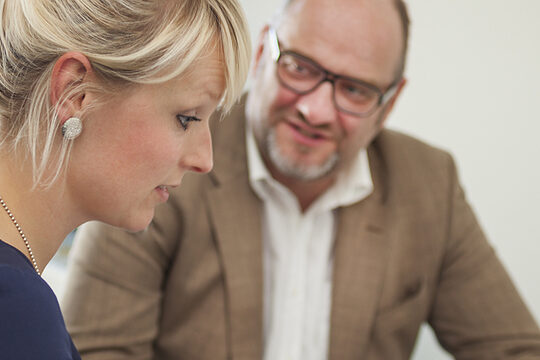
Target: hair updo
(126, 41)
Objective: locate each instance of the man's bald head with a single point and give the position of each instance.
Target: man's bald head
(399, 6)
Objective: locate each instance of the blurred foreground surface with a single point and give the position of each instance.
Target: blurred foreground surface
(55, 274)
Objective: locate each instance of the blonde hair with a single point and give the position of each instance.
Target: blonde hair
(126, 42)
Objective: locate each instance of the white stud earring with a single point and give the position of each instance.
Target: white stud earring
(72, 128)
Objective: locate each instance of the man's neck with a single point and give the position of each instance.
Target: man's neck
(305, 191)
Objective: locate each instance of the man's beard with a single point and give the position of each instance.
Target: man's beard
(296, 170)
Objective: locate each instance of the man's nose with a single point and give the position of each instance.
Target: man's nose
(198, 155)
(317, 106)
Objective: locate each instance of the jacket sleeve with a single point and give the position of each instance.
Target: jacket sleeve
(113, 294)
(477, 312)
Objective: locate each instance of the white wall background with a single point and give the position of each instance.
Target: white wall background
(474, 89)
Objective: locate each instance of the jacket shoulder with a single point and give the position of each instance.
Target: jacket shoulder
(409, 167)
(392, 144)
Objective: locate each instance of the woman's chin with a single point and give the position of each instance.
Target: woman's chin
(136, 223)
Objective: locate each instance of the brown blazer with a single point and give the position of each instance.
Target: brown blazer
(190, 286)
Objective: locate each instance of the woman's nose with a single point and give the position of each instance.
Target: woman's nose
(198, 155)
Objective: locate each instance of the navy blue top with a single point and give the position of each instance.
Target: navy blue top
(31, 324)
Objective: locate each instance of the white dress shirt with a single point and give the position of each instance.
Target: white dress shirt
(298, 258)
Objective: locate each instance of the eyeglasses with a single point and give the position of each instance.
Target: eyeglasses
(303, 75)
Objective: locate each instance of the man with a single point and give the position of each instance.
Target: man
(318, 235)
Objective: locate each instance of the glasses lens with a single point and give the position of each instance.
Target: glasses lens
(298, 74)
(355, 97)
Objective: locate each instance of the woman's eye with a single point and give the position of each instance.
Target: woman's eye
(184, 120)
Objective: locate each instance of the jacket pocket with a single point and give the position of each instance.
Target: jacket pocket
(409, 312)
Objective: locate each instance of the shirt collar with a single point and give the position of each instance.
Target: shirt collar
(256, 167)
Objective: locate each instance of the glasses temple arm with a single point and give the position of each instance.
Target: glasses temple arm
(390, 93)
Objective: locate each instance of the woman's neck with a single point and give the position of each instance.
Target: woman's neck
(42, 214)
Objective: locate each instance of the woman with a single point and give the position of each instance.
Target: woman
(104, 105)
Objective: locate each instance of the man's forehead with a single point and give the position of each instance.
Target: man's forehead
(346, 33)
(353, 7)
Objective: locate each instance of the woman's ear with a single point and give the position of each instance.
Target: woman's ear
(70, 70)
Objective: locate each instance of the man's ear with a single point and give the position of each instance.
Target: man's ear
(259, 50)
(390, 105)
(70, 70)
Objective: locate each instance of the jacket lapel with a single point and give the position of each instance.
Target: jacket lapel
(235, 216)
(239, 242)
(360, 260)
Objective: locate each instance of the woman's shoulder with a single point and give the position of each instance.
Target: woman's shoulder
(19, 282)
(11, 257)
(18, 279)
(32, 325)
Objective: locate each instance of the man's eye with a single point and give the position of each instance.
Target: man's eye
(298, 68)
(184, 120)
(354, 92)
